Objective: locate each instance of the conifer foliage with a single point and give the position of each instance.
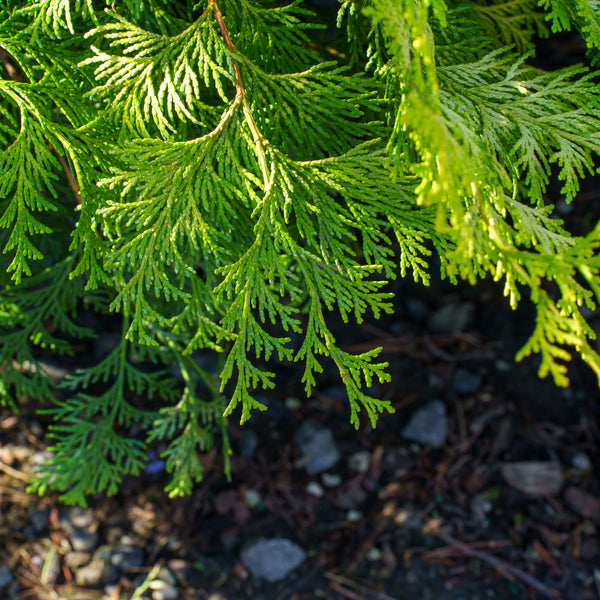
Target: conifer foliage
(224, 175)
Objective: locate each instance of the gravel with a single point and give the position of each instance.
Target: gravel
(76, 522)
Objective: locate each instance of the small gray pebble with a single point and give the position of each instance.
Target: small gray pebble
(77, 516)
(429, 425)
(374, 554)
(97, 573)
(165, 575)
(451, 318)
(359, 461)
(331, 480)
(103, 552)
(272, 559)
(466, 382)
(77, 559)
(252, 498)
(318, 447)
(248, 442)
(82, 540)
(75, 522)
(314, 489)
(128, 540)
(6, 577)
(39, 458)
(480, 506)
(173, 543)
(39, 519)
(127, 557)
(178, 567)
(353, 515)
(581, 462)
(166, 592)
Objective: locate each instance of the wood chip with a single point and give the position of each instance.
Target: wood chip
(553, 537)
(533, 477)
(585, 504)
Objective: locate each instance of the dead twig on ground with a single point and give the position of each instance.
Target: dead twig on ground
(354, 590)
(378, 527)
(13, 472)
(452, 550)
(31, 438)
(501, 566)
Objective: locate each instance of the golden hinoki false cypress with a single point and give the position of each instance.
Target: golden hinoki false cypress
(225, 174)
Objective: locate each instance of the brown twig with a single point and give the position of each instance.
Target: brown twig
(64, 163)
(240, 92)
(30, 437)
(501, 566)
(14, 495)
(13, 472)
(452, 550)
(379, 526)
(336, 587)
(421, 347)
(345, 586)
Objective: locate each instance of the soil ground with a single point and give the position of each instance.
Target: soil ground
(413, 523)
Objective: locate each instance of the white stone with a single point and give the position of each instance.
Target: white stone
(314, 489)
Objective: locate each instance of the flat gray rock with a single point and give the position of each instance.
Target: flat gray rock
(428, 425)
(272, 559)
(319, 450)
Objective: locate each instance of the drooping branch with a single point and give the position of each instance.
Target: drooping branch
(16, 75)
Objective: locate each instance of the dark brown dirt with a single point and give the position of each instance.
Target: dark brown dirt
(418, 523)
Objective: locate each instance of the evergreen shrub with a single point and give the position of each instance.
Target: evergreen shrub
(225, 175)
